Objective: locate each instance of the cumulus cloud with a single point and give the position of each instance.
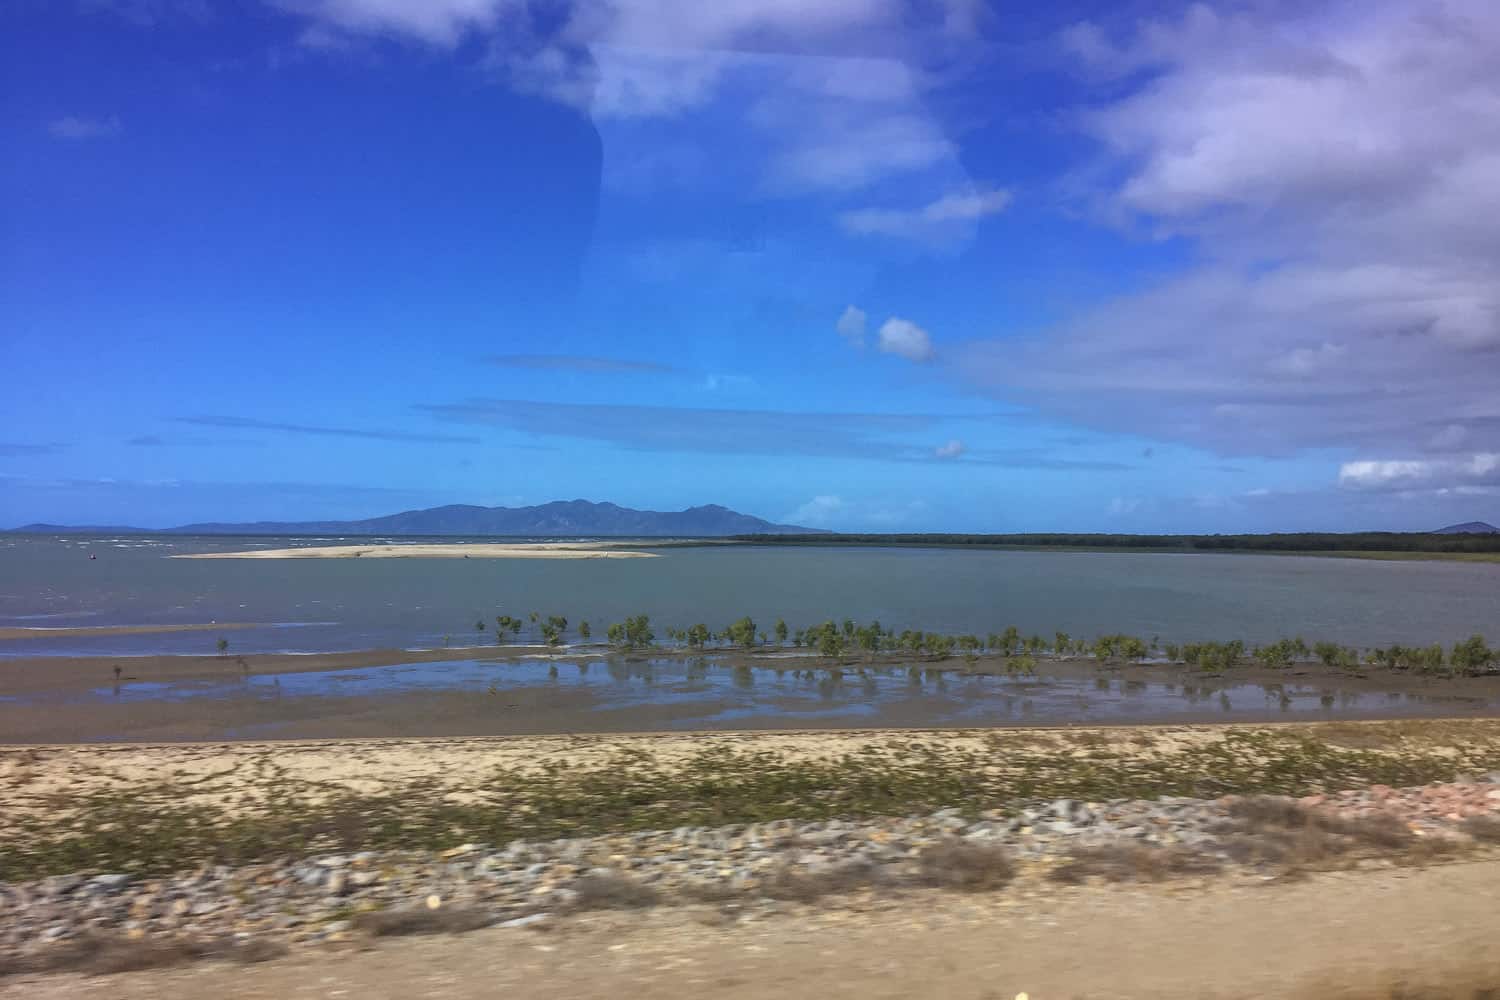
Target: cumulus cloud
(1335, 169)
(74, 127)
(948, 218)
(1480, 470)
(851, 325)
(905, 339)
(950, 449)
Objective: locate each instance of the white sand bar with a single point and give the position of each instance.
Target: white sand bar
(439, 550)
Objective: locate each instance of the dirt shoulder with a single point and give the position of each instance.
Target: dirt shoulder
(1352, 935)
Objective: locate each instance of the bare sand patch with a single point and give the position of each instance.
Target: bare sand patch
(439, 550)
(236, 776)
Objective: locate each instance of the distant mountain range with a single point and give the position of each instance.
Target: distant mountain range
(556, 519)
(1469, 528)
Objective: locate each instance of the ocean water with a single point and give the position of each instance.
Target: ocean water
(314, 605)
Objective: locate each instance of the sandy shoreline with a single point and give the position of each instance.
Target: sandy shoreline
(236, 776)
(440, 550)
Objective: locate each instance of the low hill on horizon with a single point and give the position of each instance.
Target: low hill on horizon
(558, 518)
(1469, 528)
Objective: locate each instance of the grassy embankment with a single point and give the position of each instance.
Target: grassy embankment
(253, 810)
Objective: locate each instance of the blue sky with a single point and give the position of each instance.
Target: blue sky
(864, 264)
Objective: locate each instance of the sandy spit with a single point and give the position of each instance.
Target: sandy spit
(439, 550)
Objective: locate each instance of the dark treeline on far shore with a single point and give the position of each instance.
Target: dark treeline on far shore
(1310, 541)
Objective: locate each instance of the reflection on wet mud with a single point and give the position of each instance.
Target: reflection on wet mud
(705, 690)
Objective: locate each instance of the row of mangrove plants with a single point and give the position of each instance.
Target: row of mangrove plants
(848, 639)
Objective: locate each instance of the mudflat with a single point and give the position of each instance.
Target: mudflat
(506, 690)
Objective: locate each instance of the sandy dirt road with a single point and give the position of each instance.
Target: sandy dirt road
(1351, 934)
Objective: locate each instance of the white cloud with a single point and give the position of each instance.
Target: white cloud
(819, 512)
(1334, 169)
(835, 93)
(905, 339)
(949, 217)
(851, 325)
(852, 146)
(951, 449)
(435, 22)
(74, 127)
(1478, 470)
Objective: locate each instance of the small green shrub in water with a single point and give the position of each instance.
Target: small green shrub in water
(553, 629)
(940, 646)
(1472, 656)
(504, 624)
(1213, 656)
(1128, 647)
(1282, 653)
(632, 633)
(1020, 666)
(741, 632)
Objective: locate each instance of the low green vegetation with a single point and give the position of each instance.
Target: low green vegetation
(155, 828)
(1367, 543)
(848, 640)
(553, 628)
(632, 633)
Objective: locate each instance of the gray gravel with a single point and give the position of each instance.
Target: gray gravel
(528, 883)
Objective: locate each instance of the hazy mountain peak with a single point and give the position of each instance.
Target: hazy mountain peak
(556, 518)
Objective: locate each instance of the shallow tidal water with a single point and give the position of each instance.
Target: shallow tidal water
(314, 605)
(673, 693)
